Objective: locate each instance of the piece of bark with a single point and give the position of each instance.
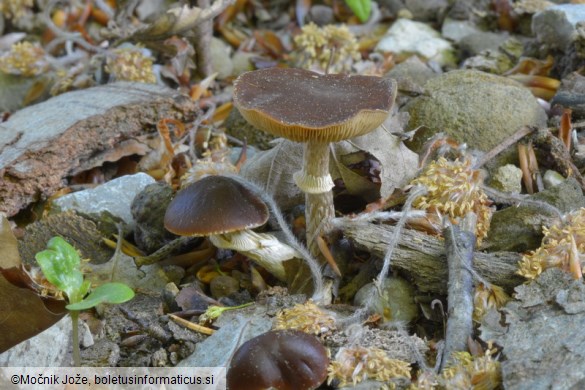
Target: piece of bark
(423, 257)
(77, 230)
(41, 145)
(459, 246)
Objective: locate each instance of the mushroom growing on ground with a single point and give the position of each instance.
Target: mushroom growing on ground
(225, 211)
(282, 360)
(315, 109)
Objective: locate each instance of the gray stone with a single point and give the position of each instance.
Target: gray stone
(51, 348)
(321, 15)
(411, 75)
(114, 196)
(473, 107)
(571, 94)
(478, 41)
(456, 30)
(427, 10)
(552, 179)
(519, 228)
(507, 178)
(556, 26)
(543, 339)
(235, 328)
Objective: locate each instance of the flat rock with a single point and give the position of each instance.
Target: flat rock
(115, 196)
(543, 342)
(51, 348)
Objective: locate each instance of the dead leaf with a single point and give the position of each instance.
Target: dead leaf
(399, 164)
(274, 169)
(355, 184)
(23, 313)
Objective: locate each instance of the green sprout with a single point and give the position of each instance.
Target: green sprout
(60, 264)
(361, 8)
(214, 312)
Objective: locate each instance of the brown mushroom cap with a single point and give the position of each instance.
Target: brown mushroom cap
(306, 106)
(282, 359)
(214, 205)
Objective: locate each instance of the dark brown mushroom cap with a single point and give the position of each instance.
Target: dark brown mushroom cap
(306, 106)
(214, 205)
(282, 359)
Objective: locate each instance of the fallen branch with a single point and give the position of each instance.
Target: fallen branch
(459, 246)
(423, 257)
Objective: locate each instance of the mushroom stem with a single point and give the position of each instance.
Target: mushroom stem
(263, 248)
(316, 182)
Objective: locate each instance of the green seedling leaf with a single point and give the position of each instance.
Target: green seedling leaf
(106, 293)
(361, 8)
(60, 264)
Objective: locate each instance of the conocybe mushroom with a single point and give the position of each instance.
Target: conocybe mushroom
(225, 211)
(315, 109)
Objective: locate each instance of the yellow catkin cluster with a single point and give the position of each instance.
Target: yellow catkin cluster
(24, 59)
(486, 298)
(130, 65)
(355, 364)
(319, 46)
(15, 9)
(306, 317)
(468, 372)
(562, 243)
(454, 189)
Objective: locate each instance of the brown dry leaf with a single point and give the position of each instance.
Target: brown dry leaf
(355, 183)
(270, 42)
(203, 86)
(23, 313)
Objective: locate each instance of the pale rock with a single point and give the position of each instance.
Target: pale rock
(114, 196)
(409, 37)
(507, 178)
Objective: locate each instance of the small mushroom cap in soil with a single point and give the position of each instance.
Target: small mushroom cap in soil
(306, 106)
(282, 359)
(214, 205)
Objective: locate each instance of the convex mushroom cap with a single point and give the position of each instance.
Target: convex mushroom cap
(225, 210)
(282, 359)
(214, 205)
(301, 105)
